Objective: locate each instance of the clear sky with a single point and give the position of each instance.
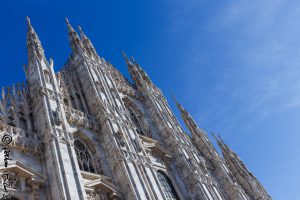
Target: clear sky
(235, 65)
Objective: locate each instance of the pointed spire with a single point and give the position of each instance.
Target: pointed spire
(128, 62)
(179, 106)
(29, 24)
(224, 148)
(74, 39)
(188, 120)
(87, 43)
(214, 136)
(82, 34)
(241, 172)
(136, 71)
(34, 45)
(70, 27)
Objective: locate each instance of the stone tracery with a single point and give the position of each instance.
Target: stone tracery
(85, 159)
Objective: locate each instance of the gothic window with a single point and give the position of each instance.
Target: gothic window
(80, 102)
(136, 122)
(167, 186)
(84, 157)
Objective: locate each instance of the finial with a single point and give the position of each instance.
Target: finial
(132, 58)
(29, 24)
(179, 106)
(28, 20)
(222, 142)
(220, 138)
(67, 21)
(214, 136)
(173, 97)
(3, 93)
(80, 30)
(126, 58)
(82, 34)
(69, 25)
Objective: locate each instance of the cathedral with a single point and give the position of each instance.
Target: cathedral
(87, 132)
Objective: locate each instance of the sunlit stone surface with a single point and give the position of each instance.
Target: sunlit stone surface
(86, 132)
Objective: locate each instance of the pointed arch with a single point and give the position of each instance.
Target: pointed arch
(136, 122)
(167, 186)
(135, 114)
(84, 157)
(87, 157)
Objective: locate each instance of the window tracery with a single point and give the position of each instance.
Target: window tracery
(84, 158)
(136, 122)
(167, 186)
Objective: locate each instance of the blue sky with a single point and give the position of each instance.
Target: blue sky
(234, 65)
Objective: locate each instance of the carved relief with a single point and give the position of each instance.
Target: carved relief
(57, 116)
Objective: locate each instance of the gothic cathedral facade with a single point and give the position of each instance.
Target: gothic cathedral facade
(88, 133)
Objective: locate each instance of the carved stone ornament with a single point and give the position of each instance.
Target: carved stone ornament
(96, 196)
(57, 117)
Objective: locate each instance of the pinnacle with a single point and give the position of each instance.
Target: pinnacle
(173, 97)
(179, 106)
(214, 136)
(67, 21)
(28, 20)
(69, 25)
(82, 34)
(126, 58)
(28, 23)
(80, 29)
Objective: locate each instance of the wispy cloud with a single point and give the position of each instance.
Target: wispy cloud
(261, 75)
(241, 62)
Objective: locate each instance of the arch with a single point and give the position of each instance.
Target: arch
(136, 122)
(167, 186)
(135, 114)
(85, 158)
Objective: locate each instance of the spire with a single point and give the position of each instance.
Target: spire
(179, 106)
(136, 72)
(128, 62)
(29, 24)
(34, 46)
(241, 173)
(188, 120)
(214, 136)
(87, 43)
(224, 148)
(74, 39)
(135, 75)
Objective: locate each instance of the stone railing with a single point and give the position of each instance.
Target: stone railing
(80, 119)
(21, 139)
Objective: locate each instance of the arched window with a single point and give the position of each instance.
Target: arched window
(84, 157)
(136, 122)
(167, 186)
